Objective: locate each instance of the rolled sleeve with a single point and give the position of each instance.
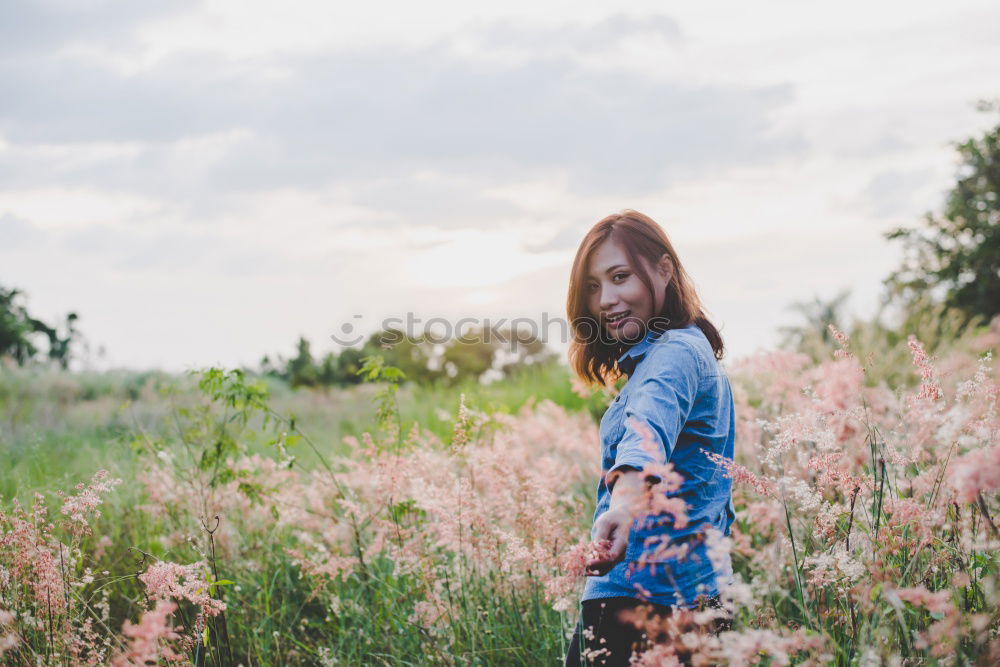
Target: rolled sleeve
(662, 402)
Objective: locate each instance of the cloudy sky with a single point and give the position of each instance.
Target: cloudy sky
(203, 182)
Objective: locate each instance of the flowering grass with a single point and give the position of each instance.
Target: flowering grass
(865, 533)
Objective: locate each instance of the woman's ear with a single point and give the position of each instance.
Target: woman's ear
(666, 267)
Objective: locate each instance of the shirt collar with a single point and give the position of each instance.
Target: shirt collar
(634, 354)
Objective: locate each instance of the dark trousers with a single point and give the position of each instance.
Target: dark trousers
(617, 638)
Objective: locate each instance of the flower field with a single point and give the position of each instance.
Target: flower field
(219, 531)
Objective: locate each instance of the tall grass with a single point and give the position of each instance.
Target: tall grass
(259, 526)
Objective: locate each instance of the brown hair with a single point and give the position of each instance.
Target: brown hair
(592, 356)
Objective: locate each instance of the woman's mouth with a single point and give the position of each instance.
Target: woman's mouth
(617, 320)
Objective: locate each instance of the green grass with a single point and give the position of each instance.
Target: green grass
(57, 429)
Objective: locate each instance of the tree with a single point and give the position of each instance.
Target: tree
(18, 327)
(470, 355)
(15, 327)
(327, 371)
(59, 345)
(271, 368)
(412, 355)
(301, 369)
(521, 349)
(348, 364)
(956, 257)
(813, 336)
(420, 359)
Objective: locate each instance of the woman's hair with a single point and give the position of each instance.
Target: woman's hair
(593, 357)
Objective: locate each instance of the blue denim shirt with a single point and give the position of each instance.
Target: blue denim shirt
(678, 389)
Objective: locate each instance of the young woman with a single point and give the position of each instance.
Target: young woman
(635, 313)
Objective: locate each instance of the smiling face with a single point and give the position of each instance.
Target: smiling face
(618, 298)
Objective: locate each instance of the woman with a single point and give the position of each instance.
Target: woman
(635, 313)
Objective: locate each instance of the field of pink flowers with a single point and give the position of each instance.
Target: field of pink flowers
(865, 532)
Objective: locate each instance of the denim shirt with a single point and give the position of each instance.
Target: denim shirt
(678, 389)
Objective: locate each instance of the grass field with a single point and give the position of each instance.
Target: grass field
(240, 522)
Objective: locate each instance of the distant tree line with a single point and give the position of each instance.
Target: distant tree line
(476, 355)
(21, 333)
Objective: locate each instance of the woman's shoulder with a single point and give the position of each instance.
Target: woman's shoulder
(685, 345)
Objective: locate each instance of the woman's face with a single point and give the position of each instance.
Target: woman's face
(617, 298)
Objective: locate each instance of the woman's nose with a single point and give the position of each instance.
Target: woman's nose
(609, 297)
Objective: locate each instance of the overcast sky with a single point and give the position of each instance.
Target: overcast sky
(203, 182)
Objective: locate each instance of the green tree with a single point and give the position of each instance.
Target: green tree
(327, 370)
(470, 355)
(813, 336)
(349, 366)
(15, 327)
(420, 360)
(271, 368)
(302, 369)
(59, 345)
(955, 257)
(18, 327)
(412, 355)
(522, 348)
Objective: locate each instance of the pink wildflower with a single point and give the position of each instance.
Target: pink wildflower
(34, 552)
(149, 639)
(742, 475)
(87, 500)
(977, 471)
(163, 581)
(833, 470)
(101, 547)
(465, 424)
(936, 603)
(574, 562)
(562, 589)
(7, 640)
(749, 646)
(658, 549)
(323, 563)
(660, 655)
(842, 340)
(428, 613)
(929, 387)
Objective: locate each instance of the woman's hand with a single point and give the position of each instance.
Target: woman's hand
(614, 526)
(616, 523)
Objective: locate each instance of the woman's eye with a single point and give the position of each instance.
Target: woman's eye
(622, 276)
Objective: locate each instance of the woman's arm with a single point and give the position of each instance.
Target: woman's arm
(662, 402)
(616, 522)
